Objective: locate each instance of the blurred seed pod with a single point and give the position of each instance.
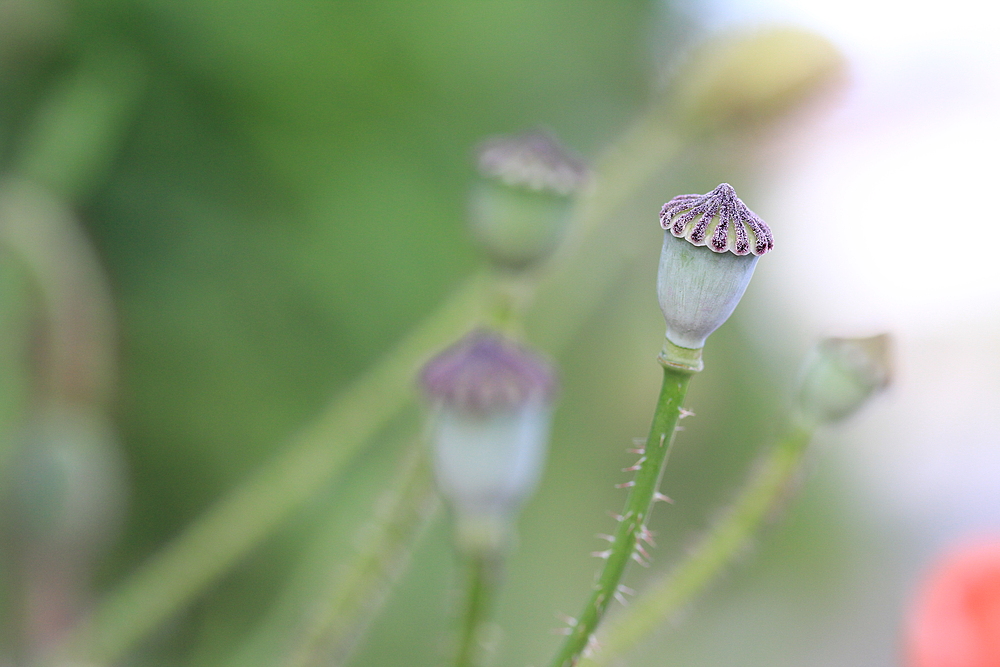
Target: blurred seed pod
(752, 77)
(520, 205)
(68, 483)
(841, 374)
(492, 403)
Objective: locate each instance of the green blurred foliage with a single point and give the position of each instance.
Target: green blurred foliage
(291, 197)
(288, 198)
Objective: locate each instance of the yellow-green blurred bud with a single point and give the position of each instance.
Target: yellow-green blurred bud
(522, 202)
(751, 77)
(841, 374)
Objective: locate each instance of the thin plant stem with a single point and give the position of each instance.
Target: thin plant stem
(765, 490)
(484, 576)
(626, 543)
(342, 611)
(72, 374)
(74, 298)
(333, 618)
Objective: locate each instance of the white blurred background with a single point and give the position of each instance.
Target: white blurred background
(901, 171)
(904, 169)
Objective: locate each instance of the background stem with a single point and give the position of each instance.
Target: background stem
(765, 490)
(632, 525)
(484, 577)
(344, 607)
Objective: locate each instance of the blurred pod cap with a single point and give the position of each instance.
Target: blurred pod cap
(841, 374)
(752, 77)
(489, 434)
(521, 204)
(711, 244)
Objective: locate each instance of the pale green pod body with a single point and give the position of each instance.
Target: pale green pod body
(520, 207)
(517, 226)
(487, 465)
(68, 484)
(698, 289)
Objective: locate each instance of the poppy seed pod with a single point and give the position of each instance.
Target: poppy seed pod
(841, 374)
(711, 244)
(492, 403)
(520, 206)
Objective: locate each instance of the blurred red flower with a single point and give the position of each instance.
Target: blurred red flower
(956, 618)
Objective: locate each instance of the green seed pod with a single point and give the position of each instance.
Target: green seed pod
(736, 79)
(520, 206)
(68, 482)
(493, 404)
(711, 244)
(841, 374)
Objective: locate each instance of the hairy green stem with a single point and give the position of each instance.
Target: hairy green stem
(626, 543)
(345, 606)
(484, 576)
(765, 490)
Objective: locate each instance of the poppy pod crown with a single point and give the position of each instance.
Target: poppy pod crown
(711, 244)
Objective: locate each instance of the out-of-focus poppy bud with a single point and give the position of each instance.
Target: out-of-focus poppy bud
(841, 375)
(68, 481)
(522, 202)
(752, 77)
(493, 405)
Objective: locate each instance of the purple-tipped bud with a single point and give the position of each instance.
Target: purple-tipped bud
(493, 406)
(521, 205)
(841, 375)
(711, 244)
(484, 373)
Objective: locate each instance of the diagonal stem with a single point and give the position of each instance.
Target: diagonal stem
(766, 488)
(625, 544)
(484, 570)
(348, 602)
